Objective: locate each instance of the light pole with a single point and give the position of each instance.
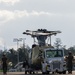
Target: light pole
(23, 41)
(17, 40)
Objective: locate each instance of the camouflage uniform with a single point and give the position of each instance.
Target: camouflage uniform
(4, 64)
(69, 62)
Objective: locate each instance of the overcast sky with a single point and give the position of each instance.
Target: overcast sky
(16, 16)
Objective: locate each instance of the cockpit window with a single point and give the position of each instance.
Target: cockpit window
(54, 53)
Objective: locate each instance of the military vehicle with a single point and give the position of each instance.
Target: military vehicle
(44, 51)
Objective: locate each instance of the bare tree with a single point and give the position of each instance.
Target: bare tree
(58, 43)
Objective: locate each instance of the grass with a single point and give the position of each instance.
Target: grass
(1, 70)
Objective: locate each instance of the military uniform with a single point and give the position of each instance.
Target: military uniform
(70, 62)
(4, 64)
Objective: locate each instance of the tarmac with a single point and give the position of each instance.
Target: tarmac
(13, 73)
(23, 73)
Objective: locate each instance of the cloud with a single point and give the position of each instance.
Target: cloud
(1, 42)
(35, 13)
(6, 15)
(9, 1)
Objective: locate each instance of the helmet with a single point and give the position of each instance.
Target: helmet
(69, 52)
(4, 54)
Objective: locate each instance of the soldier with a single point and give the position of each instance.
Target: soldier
(70, 62)
(4, 64)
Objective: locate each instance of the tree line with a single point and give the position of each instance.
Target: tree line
(12, 55)
(23, 52)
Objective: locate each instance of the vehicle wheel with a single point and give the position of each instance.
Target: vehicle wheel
(52, 72)
(25, 72)
(43, 72)
(47, 72)
(33, 72)
(30, 72)
(60, 72)
(64, 72)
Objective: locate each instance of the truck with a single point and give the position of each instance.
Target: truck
(55, 60)
(43, 56)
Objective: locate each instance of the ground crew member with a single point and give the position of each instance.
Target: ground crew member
(4, 64)
(70, 62)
